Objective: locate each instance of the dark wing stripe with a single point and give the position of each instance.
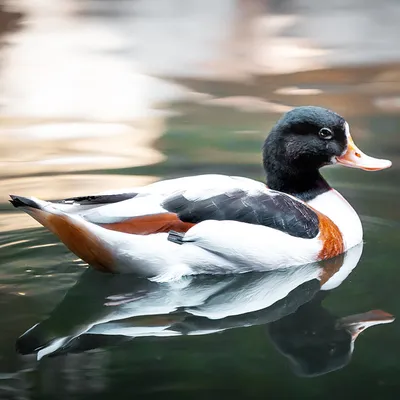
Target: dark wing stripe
(99, 199)
(275, 210)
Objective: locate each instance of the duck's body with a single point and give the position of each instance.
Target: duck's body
(222, 224)
(135, 233)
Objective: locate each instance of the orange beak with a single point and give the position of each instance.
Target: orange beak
(355, 158)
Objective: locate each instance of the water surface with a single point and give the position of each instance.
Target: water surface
(98, 97)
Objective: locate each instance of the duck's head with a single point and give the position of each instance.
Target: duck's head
(306, 139)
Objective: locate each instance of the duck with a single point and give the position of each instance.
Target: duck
(220, 224)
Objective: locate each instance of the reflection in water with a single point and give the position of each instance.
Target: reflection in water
(71, 147)
(115, 309)
(317, 342)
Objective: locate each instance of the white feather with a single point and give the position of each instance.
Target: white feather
(251, 247)
(334, 206)
(138, 206)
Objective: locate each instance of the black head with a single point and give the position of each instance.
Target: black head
(303, 140)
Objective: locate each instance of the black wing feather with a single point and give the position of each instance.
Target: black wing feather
(275, 210)
(98, 199)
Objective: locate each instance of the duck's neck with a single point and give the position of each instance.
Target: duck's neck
(305, 185)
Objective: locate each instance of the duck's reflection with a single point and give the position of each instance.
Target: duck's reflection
(102, 310)
(317, 342)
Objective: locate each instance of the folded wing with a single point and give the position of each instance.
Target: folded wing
(263, 207)
(178, 204)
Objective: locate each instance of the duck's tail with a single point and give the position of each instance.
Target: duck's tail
(104, 249)
(80, 236)
(40, 210)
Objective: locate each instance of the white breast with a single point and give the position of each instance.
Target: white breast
(333, 205)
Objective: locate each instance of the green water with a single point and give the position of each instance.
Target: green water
(40, 281)
(146, 340)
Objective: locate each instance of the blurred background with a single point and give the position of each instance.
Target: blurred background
(106, 94)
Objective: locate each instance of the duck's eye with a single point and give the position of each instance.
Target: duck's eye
(325, 133)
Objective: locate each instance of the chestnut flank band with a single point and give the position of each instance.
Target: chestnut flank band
(148, 224)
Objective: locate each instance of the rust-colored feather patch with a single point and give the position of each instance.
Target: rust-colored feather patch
(77, 238)
(331, 238)
(148, 224)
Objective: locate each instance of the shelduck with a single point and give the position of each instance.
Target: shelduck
(216, 224)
